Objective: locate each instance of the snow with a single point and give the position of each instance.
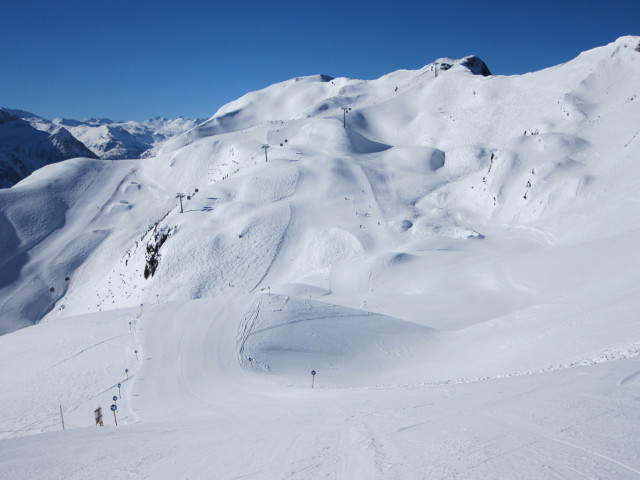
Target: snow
(94, 137)
(457, 265)
(119, 140)
(26, 146)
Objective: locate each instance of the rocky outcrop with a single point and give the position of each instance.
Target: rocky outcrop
(476, 65)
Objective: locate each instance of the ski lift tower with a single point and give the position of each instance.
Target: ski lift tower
(345, 110)
(266, 147)
(180, 195)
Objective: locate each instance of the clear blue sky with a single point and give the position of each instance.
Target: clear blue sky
(131, 60)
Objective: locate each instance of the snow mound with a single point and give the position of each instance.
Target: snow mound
(289, 336)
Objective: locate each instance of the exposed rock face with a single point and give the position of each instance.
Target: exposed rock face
(476, 65)
(471, 64)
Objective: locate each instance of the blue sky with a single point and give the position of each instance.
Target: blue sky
(131, 60)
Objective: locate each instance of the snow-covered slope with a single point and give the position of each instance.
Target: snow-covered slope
(454, 253)
(24, 148)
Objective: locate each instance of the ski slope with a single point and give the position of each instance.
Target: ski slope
(457, 264)
(199, 413)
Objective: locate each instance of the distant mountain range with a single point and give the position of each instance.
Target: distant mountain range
(29, 141)
(25, 148)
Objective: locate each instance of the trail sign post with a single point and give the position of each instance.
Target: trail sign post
(115, 399)
(119, 394)
(114, 408)
(136, 352)
(313, 378)
(126, 370)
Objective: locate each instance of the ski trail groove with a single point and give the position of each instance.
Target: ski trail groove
(244, 330)
(88, 348)
(595, 454)
(276, 253)
(629, 378)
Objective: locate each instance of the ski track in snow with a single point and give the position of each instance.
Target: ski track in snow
(245, 327)
(629, 378)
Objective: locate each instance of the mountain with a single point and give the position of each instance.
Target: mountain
(109, 141)
(119, 140)
(24, 148)
(452, 253)
(102, 138)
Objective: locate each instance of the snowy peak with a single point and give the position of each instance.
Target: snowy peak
(68, 145)
(110, 141)
(119, 140)
(317, 96)
(626, 50)
(623, 52)
(25, 148)
(64, 138)
(471, 63)
(114, 140)
(98, 121)
(628, 43)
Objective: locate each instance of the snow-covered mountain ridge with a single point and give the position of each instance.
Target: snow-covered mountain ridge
(24, 148)
(119, 140)
(453, 253)
(92, 138)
